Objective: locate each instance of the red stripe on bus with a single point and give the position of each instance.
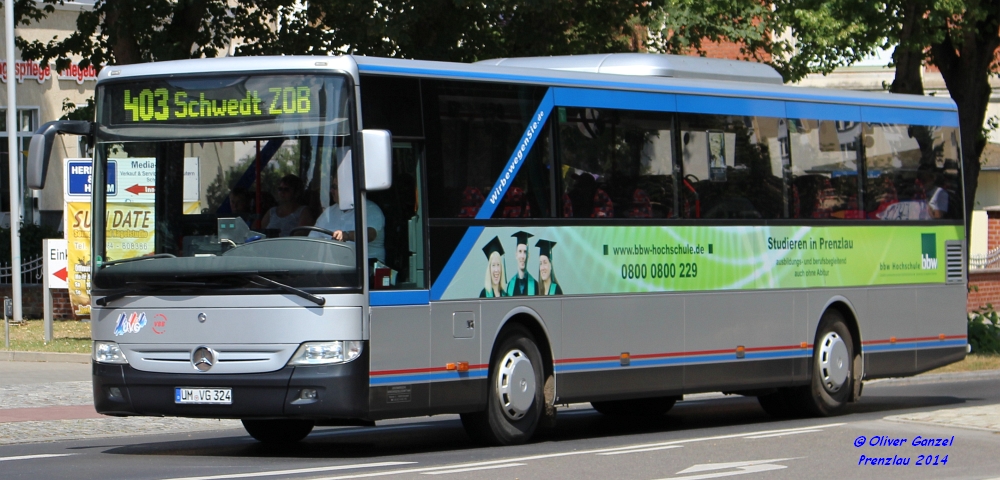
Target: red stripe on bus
(419, 370)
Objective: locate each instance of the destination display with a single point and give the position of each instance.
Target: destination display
(216, 100)
(512, 261)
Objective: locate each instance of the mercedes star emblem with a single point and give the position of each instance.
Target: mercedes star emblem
(203, 358)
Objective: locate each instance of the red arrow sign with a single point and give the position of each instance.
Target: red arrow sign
(61, 274)
(138, 189)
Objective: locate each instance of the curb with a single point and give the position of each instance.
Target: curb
(11, 356)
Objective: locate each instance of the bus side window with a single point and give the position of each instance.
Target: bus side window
(615, 164)
(912, 172)
(473, 129)
(823, 170)
(733, 166)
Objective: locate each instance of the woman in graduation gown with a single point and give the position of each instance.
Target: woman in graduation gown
(547, 284)
(495, 284)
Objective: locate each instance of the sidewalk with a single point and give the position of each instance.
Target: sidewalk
(53, 401)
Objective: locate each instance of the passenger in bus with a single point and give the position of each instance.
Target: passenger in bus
(524, 283)
(289, 213)
(341, 223)
(495, 284)
(546, 277)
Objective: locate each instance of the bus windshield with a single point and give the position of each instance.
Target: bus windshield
(209, 182)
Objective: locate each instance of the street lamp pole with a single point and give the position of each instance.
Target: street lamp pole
(13, 162)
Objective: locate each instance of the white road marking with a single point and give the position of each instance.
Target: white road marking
(742, 468)
(472, 469)
(581, 452)
(639, 450)
(272, 473)
(32, 457)
(785, 433)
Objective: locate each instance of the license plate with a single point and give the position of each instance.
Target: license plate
(213, 396)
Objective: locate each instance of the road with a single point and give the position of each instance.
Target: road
(705, 436)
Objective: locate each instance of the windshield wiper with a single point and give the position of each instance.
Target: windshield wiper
(288, 289)
(136, 259)
(103, 301)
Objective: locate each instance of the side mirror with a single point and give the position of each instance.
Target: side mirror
(41, 147)
(376, 148)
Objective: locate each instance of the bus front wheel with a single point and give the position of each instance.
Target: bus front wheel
(832, 369)
(278, 431)
(515, 399)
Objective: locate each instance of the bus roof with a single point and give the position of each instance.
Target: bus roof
(643, 74)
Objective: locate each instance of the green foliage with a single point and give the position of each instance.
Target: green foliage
(984, 330)
(31, 241)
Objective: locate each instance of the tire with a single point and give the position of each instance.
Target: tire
(640, 407)
(278, 432)
(833, 364)
(515, 397)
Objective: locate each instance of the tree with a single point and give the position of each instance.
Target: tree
(458, 30)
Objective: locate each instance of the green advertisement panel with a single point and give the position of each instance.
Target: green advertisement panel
(507, 261)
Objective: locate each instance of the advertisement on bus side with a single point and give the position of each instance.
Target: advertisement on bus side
(512, 261)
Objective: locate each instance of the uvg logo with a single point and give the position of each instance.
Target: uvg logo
(928, 251)
(131, 323)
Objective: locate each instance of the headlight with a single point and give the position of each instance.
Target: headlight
(108, 352)
(326, 353)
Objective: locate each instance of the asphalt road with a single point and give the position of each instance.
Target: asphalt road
(704, 437)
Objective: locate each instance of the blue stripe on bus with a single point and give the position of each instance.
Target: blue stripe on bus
(822, 111)
(730, 106)
(588, 98)
(888, 347)
(398, 297)
(676, 361)
(805, 95)
(521, 151)
(427, 377)
(909, 117)
(456, 260)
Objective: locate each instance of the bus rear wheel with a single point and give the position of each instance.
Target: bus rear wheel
(833, 368)
(278, 432)
(515, 399)
(639, 407)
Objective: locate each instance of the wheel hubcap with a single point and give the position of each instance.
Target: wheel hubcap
(834, 362)
(515, 384)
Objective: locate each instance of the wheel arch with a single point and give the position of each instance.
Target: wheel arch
(531, 321)
(846, 309)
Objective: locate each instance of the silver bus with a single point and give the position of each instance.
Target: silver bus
(534, 232)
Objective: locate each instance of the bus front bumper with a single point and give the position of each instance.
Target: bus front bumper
(341, 392)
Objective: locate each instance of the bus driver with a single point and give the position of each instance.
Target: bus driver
(341, 223)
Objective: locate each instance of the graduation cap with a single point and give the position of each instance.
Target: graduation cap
(522, 237)
(545, 248)
(493, 246)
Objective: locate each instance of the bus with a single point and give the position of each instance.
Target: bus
(615, 229)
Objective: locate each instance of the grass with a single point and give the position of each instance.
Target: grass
(68, 336)
(972, 362)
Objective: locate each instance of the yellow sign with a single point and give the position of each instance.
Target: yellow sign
(78, 256)
(130, 233)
